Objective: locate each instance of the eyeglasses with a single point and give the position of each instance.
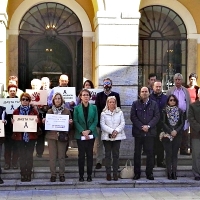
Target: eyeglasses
(172, 100)
(85, 94)
(107, 83)
(25, 99)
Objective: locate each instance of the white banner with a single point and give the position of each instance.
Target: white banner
(10, 103)
(24, 123)
(38, 97)
(55, 122)
(2, 130)
(68, 93)
(94, 94)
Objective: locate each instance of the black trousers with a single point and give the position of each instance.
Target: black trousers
(11, 154)
(85, 147)
(158, 148)
(26, 156)
(148, 145)
(171, 149)
(40, 143)
(112, 147)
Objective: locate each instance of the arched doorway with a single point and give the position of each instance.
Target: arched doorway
(162, 45)
(50, 35)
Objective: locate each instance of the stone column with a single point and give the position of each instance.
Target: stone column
(3, 65)
(116, 47)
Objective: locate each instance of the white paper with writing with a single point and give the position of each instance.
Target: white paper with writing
(10, 103)
(24, 123)
(2, 130)
(94, 95)
(57, 122)
(68, 93)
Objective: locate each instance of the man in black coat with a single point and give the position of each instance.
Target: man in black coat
(100, 102)
(144, 116)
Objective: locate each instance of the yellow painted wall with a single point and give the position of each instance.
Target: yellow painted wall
(194, 7)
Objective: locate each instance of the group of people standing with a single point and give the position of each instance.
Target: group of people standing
(161, 123)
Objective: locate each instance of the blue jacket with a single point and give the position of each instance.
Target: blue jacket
(144, 115)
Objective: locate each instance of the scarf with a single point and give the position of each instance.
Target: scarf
(58, 110)
(172, 115)
(24, 110)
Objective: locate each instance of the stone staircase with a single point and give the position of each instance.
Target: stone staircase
(41, 175)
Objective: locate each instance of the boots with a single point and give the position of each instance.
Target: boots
(169, 175)
(174, 177)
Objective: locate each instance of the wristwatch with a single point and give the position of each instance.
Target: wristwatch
(148, 127)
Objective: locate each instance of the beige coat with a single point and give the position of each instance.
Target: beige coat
(54, 134)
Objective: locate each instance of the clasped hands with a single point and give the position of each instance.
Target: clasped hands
(145, 128)
(114, 134)
(86, 134)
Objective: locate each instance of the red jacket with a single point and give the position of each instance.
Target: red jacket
(32, 135)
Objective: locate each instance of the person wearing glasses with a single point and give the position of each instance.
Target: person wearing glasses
(85, 122)
(100, 102)
(25, 140)
(173, 122)
(184, 100)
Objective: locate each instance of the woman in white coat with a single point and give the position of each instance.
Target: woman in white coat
(112, 125)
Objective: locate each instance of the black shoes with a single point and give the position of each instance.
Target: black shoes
(197, 178)
(14, 166)
(89, 179)
(62, 178)
(1, 181)
(169, 175)
(53, 179)
(150, 177)
(108, 177)
(23, 178)
(81, 179)
(184, 153)
(161, 165)
(6, 166)
(28, 178)
(174, 177)
(39, 155)
(115, 177)
(136, 177)
(98, 166)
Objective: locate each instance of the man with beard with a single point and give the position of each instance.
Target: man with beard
(161, 100)
(144, 116)
(100, 103)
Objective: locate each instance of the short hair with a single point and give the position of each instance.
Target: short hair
(45, 78)
(64, 75)
(151, 75)
(37, 81)
(158, 81)
(27, 95)
(12, 86)
(13, 78)
(193, 75)
(84, 90)
(178, 75)
(62, 99)
(175, 98)
(90, 82)
(107, 79)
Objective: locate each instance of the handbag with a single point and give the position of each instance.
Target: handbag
(63, 137)
(127, 171)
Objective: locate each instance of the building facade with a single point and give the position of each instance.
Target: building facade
(93, 39)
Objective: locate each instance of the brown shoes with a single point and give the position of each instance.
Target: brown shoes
(108, 177)
(115, 177)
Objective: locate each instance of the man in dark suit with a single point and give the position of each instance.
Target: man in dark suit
(144, 116)
(100, 103)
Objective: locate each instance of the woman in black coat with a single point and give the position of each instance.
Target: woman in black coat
(173, 122)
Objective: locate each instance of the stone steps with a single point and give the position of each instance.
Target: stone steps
(72, 172)
(44, 184)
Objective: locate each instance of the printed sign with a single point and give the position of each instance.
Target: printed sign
(38, 97)
(68, 93)
(2, 132)
(57, 122)
(94, 95)
(10, 103)
(24, 123)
